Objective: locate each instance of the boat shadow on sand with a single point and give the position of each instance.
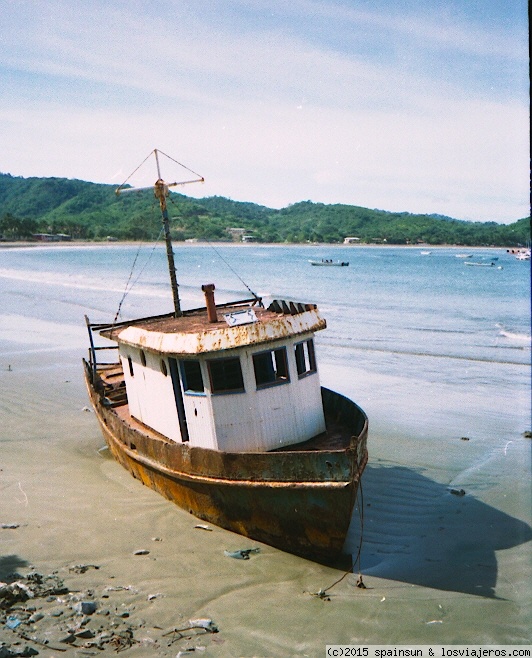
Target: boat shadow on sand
(9, 565)
(420, 532)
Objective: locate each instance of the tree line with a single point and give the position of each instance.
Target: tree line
(92, 211)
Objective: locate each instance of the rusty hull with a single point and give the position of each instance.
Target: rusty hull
(299, 500)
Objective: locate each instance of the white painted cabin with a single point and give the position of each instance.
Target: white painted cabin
(234, 378)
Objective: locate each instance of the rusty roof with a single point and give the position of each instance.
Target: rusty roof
(193, 333)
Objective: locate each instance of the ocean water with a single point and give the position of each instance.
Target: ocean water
(437, 353)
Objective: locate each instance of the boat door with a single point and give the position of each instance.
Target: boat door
(178, 394)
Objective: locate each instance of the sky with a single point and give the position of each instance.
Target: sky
(403, 105)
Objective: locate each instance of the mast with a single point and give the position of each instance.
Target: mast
(161, 191)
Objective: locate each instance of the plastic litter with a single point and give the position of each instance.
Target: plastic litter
(242, 554)
(207, 624)
(13, 622)
(457, 492)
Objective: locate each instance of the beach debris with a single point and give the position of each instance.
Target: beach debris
(120, 588)
(457, 492)
(9, 526)
(360, 582)
(201, 526)
(527, 434)
(14, 593)
(13, 622)
(321, 594)
(141, 551)
(206, 625)
(241, 554)
(86, 409)
(82, 568)
(383, 599)
(6, 652)
(86, 607)
(39, 610)
(464, 438)
(156, 538)
(35, 617)
(434, 621)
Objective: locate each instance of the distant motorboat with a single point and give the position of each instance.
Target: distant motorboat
(426, 253)
(463, 255)
(478, 264)
(331, 263)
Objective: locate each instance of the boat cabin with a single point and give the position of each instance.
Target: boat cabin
(233, 378)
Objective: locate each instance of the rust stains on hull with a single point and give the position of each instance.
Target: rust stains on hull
(298, 500)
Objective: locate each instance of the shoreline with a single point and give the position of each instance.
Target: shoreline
(132, 243)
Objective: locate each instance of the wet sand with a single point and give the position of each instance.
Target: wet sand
(439, 567)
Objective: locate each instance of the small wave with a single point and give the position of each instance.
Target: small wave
(514, 336)
(79, 282)
(426, 354)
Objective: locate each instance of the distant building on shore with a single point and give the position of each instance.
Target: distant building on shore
(351, 240)
(52, 237)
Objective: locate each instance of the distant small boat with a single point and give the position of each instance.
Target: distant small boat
(477, 264)
(463, 255)
(331, 263)
(426, 253)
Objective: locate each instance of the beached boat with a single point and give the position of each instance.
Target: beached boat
(329, 263)
(220, 410)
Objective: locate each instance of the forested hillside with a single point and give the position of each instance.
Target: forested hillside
(90, 211)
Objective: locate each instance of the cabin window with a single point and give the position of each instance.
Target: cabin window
(225, 375)
(305, 358)
(130, 364)
(271, 367)
(143, 358)
(164, 369)
(191, 376)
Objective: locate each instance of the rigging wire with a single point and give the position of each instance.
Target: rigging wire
(129, 287)
(135, 171)
(226, 262)
(180, 164)
(155, 151)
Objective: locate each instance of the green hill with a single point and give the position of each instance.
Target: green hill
(91, 211)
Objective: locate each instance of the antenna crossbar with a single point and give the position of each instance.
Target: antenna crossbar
(160, 190)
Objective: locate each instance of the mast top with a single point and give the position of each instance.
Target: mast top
(161, 191)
